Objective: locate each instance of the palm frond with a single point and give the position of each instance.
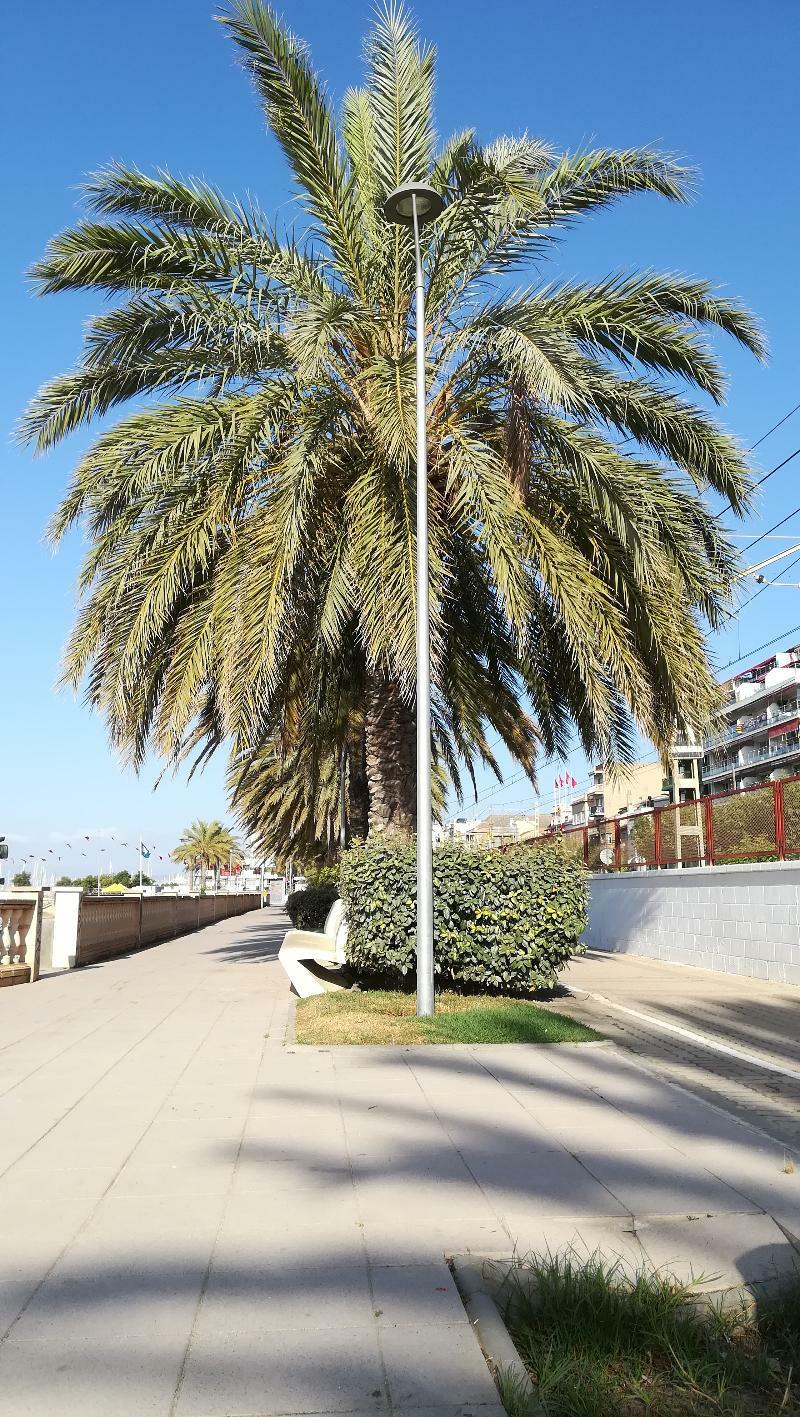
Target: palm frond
(249, 582)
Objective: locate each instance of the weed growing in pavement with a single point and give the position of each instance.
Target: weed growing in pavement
(602, 1343)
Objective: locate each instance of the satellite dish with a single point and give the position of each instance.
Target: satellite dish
(607, 856)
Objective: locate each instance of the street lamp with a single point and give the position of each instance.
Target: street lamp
(412, 205)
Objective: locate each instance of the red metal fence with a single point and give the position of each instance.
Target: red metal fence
(754, 824)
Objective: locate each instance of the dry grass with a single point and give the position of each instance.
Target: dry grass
(384, 1017)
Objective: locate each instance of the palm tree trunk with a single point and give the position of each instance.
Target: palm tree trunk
(390, 753)
(357, 785)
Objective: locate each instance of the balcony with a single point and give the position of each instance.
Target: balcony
(727, 767)
(763, 692)
(722, 769)
(682, 748)
(756, 725)
(780, 752)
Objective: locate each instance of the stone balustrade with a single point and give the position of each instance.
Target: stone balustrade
(101, 927)
(87, 929)
(20, 936)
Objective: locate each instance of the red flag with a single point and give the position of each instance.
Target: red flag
(574, 783)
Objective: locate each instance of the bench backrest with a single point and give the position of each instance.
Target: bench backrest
(334, 919)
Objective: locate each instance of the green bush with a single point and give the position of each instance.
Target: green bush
(505, 921)
(308, 909)
(322, 876)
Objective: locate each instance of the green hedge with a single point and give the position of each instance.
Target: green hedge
(308, 909)
(506, 921)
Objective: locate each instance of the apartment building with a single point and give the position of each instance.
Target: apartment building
(498, 829)
(641, 786)
(757, 736)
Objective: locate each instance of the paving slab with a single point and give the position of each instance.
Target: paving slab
(200, 1219)
(93, 1376)
(460, 1409)
(724, 1039)
(423, 1363)
(247, 1291)
(120, 1302)
(617, 1241)
(283, 1370)
(720, 1252)
(662, 1182)
(416, 1294)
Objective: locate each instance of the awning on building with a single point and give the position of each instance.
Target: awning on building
(781, 728)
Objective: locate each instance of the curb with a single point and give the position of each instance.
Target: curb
(289, 1032)
(638, 1060)
(491, 1332)
(700, 1040)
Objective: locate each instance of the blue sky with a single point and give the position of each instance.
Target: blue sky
(157, 85)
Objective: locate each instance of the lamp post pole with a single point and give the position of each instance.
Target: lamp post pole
(425, 1003)
(410, 206)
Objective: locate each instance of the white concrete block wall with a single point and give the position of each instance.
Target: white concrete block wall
(737, 919)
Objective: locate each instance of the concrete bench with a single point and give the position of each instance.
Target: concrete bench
(325, 948)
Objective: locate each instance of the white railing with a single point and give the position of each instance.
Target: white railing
(753, 725)
(20, 936)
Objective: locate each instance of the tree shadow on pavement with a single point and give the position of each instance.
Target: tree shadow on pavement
(258, 940)
(358, 1171)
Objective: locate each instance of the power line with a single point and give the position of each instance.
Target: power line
(728, 505)
(775, 426)
(793, 629)
(762, 588)
(499, 787)
(765, 534)
(777, 468)
(547, 797)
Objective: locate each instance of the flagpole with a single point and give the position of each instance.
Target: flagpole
(140, 865)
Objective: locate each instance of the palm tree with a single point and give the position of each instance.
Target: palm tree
(251, 523)
(205, 846)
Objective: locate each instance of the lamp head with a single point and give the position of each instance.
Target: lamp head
(399, 205)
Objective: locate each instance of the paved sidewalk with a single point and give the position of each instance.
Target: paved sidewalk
(744, 1022)
(198, 1220)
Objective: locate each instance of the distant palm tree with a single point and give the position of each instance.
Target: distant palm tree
(252, 530)
(205, 846)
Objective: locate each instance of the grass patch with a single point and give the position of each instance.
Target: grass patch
(381, 1016)
(600, 1345)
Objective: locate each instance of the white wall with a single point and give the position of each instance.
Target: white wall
(737, 919)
